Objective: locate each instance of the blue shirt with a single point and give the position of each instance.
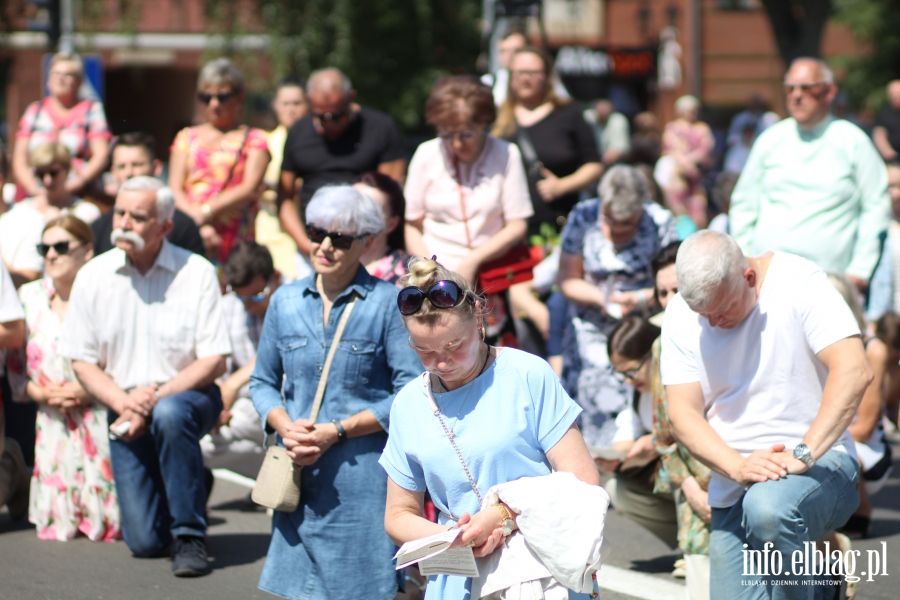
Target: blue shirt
(509, 418)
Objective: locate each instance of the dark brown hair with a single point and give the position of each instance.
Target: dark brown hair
(460, 95)
(388, 186)
(887, 329)
(632, 338)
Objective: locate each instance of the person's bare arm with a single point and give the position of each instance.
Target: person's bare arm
(234, 382)
(497, 245)
(12, 334)
(570, 454)
(686, 413)
(21, 169)
(415, 239)
(573, 285)
(102, 387)
(289, 211)
(552, 187)
(177, 178)
(197, 375)
(22, 276)
(245, 192)
(869, 413)
(403, 520)
(395, 169)
(880, 137)
(94, 167)
(523, 300)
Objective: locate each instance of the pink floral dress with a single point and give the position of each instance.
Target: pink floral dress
(72, 486)
(208, 173)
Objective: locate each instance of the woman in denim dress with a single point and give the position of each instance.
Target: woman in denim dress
(339, 522)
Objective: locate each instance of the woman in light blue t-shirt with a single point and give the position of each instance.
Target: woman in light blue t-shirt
(501, 415)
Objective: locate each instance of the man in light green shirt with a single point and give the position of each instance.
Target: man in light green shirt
(813, 185)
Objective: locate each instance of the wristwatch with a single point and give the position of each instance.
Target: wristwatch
(802, 453)
(342, 433)
(508, 524)
(206, 211)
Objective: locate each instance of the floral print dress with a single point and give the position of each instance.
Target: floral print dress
(72, 488)
(209, 171)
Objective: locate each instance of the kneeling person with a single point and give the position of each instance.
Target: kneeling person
(764, 369)
(145, 334)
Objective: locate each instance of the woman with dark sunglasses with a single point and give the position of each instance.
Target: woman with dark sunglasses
(339, 520)
(215, 169)
(498, 415)
(72, 489)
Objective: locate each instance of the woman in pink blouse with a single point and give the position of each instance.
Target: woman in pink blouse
(467, 197)
(62, 117)
(215, 169)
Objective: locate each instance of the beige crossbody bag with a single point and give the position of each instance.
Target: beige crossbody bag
(278, 483)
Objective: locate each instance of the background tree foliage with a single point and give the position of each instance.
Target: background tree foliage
(392, 50)
(876, 22)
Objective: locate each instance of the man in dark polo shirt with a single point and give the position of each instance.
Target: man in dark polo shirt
(133, 154)
(886, 134)
(335, 143)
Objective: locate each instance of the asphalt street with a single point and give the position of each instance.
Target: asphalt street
(638, 566)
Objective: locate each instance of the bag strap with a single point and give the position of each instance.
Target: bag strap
(320, 391)
(237, 159)
(462, 202)
(527, 148)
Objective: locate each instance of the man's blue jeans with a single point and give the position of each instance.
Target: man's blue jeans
(159, 476)
(787, 513)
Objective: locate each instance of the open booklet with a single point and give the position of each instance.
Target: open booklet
(435, 556)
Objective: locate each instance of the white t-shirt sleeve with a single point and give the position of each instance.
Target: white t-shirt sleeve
(680, 335)
(10, 307)
(825, 315)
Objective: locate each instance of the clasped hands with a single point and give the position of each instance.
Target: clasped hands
(483, 531)
(135, 408)
(64, 396)
(306, 441)
(770, 463)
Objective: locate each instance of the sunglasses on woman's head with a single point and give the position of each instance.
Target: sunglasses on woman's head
(59, 247)
(443, 294)
(222, 97)
(340, 241)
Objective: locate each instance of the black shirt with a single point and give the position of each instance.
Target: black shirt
(889, 118)
(371, 139)
(184, 233)
(563, 142)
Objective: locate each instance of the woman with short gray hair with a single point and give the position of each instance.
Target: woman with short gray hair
(607, 247)
(343, 489)
(216, 168)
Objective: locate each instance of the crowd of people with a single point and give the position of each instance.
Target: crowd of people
(712, 333)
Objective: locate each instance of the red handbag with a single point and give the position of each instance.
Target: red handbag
(515, 266)
(499, 274)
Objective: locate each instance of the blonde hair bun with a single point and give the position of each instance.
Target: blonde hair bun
(424, 273)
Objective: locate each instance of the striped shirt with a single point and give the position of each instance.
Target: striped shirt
(143, 329)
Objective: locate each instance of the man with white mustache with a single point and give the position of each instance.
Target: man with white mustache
(146, 338)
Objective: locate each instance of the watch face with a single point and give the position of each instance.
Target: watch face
(507, 527)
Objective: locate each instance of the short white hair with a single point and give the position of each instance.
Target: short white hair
(707, 261)
(686, 103)
(824, 70)
(165, 199)
(328, 79)
(346, 209)
(624, 190)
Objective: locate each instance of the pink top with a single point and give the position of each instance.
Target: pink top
(492, 191)
(86, 121)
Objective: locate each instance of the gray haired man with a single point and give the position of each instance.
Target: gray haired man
(146, 338)
(764, 369)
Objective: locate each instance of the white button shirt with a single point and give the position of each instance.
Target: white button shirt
(143, 329)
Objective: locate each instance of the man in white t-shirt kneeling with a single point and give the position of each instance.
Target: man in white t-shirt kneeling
(764, 369)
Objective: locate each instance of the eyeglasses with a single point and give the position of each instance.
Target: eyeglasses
(64, 75)
(443, 294)
(332, 116)
(620, 224)
(255, 298)
(341, 241)
(52, 172)
(60, 248)
(805, 88)
(222, 97)
(462, 136)
(632, 373)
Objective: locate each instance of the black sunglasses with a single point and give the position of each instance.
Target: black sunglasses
(222, 97)
(332, 116)
(59, 247)
(443, 294)
(341, 241)
(52, 172)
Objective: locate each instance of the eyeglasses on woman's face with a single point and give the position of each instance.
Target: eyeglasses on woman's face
(61, 248)
(340, 241)
(525, 74)
(52, 171)
(222, 97)
(631, 374)
(463, 136)
(621, 223)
